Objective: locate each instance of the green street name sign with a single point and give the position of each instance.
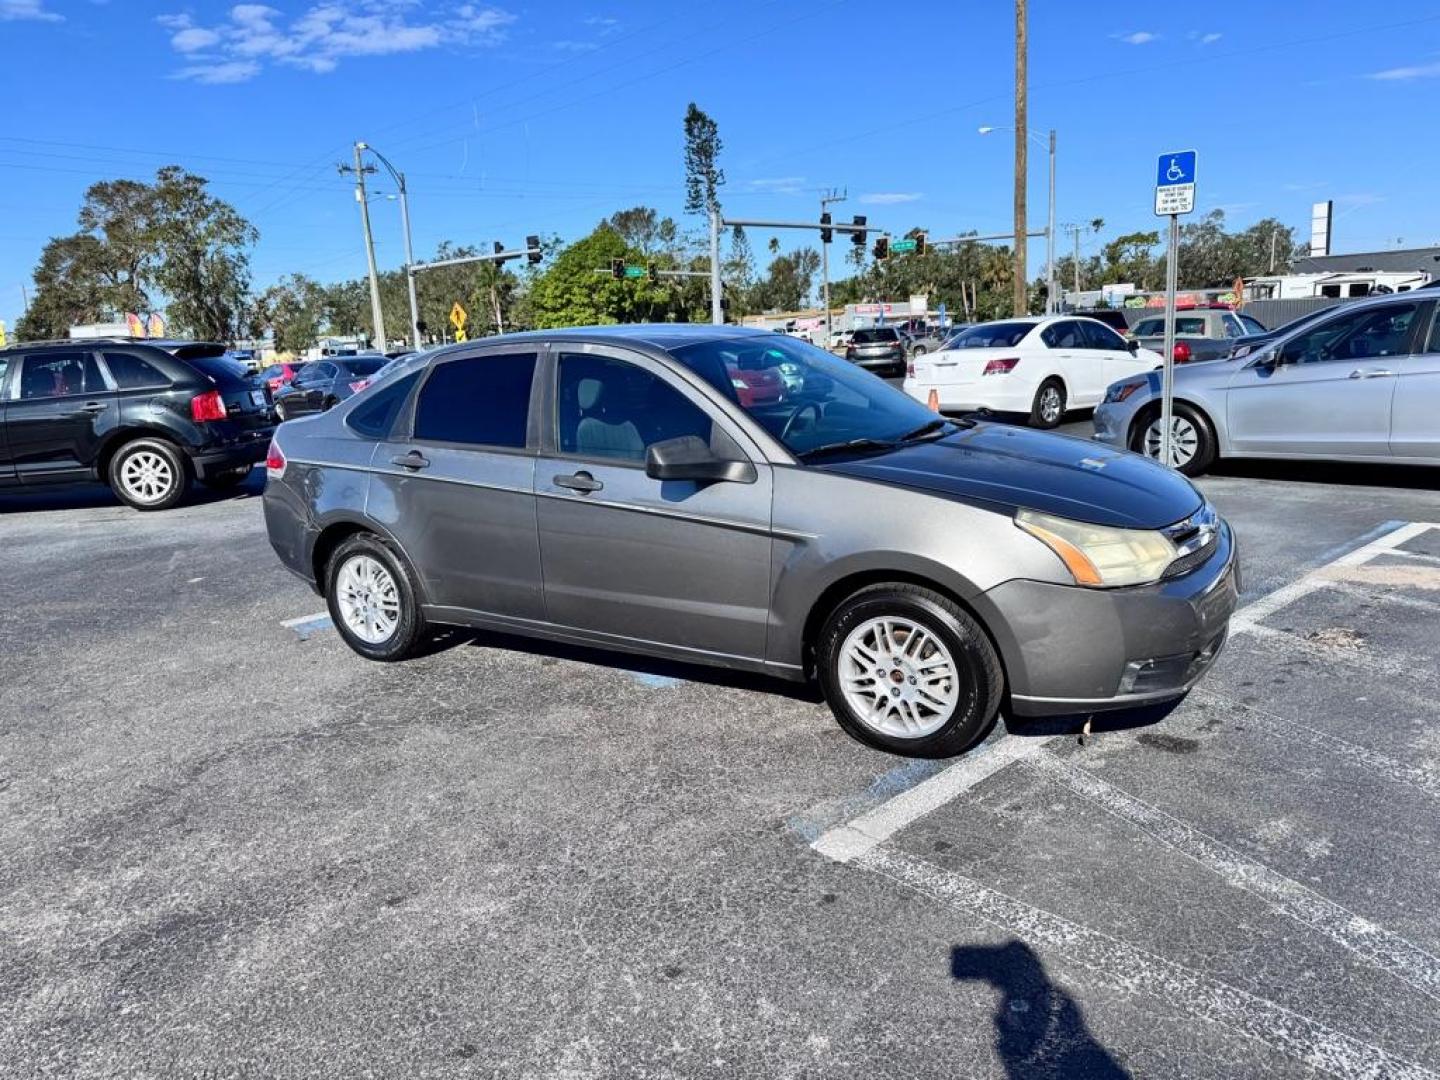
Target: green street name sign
(634, 271)
(902, 247)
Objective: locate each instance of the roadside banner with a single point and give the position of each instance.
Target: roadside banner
(134, 324)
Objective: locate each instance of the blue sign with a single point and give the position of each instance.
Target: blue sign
(1177, 168)
(1175, 183)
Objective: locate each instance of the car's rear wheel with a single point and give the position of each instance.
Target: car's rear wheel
(1192, 440)
(909, 671)
(148, 474)
(373, 600)
(1048, 408)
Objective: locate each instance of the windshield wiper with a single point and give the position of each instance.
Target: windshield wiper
(924, 429)
(847, 447)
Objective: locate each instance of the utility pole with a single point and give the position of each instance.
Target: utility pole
(831, 196)
(1022, 289)
(1074, 231)
(717, 313)
(399, 178)
(360, 169)
(1274, 235)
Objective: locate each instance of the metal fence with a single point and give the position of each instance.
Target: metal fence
(1273, 313)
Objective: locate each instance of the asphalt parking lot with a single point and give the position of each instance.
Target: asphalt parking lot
(232, 848)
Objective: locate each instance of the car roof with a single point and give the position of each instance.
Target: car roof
(659, 335)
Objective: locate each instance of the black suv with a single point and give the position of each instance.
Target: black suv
(144, 418)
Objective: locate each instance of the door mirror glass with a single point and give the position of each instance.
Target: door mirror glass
(690, 458)
(1133, 346)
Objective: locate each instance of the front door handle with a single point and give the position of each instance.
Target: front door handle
(581, 481)
(413, 460)
(94, 407)
(1371, 373)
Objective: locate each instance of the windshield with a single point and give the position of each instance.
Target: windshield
(999, 335)
(866, 337)
(804, 396)
(1193, 326)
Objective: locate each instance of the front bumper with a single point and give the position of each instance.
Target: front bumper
(1075, 650)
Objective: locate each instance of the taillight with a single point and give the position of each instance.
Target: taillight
(909, 369)
(274, 461)
(1001, 367)
(1182, 353)
(275, 384)
(356, 387)
(207, 406)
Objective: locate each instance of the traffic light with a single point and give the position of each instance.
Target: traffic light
(825, 231)
(882, 248)
(617, 269)
(499, 247)
(532, 250)
(858, 238)
(652, 272)
(920, 243)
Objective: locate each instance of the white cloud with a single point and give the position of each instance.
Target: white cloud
(325, 34)
(575, 46)
(1210, 38)
(890, 198)
(15, 10)
(779, 185)
(1418, 71)
(1138, 37)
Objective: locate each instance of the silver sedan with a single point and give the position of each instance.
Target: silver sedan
(1361, 384)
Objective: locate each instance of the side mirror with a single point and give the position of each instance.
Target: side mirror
(690, 458)
(1132, 345)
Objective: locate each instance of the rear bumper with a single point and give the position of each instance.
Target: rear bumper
(247, 448)
(1074, 650)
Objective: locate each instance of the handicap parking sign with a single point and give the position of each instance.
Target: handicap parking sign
(1175, 183)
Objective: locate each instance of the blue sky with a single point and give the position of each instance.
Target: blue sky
(516, 117)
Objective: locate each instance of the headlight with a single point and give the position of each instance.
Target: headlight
(739, 384)
(1121, 391)
(1240, 350)
(1098, 556)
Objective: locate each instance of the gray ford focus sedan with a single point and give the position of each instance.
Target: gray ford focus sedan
(741, 498)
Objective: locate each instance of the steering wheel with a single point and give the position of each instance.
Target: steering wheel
(807, 406)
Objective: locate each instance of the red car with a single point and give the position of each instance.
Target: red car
(756, 386)
(278, 375)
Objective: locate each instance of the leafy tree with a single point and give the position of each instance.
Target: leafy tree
(78, 280)
(571, 293)
(295, 309)
(703, 175)
(201, 260)
(790, 281)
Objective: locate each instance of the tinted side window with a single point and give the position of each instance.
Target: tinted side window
(483, 401)
(133, 372)
(611, 409)
(60, 374)
(375, 417)
(1063, 335)
(1434, 346)
(1102, 337)
(1379, 331)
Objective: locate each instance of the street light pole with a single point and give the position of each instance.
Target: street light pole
(1022, 285)
(717, 313)
(399, 178)
(825, 201)
(1050, 283)
(375, 312)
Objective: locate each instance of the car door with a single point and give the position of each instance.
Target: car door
(1415, 408)
(59, 411)
(633, 559)
(308, 388)
(454, 483)
(1116, 360)
(1331, 396)
(1081, 366)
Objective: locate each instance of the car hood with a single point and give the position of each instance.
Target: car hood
(1011, 468)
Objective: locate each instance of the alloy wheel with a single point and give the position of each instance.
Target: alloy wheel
(148, 476)
(1050, 404)
(899, 677)
(368, 599)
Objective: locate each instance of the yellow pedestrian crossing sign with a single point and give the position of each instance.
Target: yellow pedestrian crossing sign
(458, 318)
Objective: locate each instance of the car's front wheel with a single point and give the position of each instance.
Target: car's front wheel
(373, 600)
(909, 671)
(1192, 441)
(149, 474)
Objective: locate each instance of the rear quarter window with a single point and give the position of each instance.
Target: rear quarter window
(375, 416)
(223, 370)
(134, 372)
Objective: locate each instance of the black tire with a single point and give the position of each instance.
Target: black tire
(227, 480)
(280, 412)
(410, 629)
(1040, 406)
(1206, 445)
(979, 678)
(329, 404)
(149, 474)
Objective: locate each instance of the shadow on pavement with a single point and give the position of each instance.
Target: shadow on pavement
(95, 496)
(1039, 1029)
(1070, 724)
(1380, 474)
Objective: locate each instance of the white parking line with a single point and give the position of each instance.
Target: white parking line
(1380, 947)
(1138, 972)
(851, 839)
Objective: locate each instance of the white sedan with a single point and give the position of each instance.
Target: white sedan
(1039, 366)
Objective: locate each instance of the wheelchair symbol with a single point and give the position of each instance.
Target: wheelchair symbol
(1174, 173)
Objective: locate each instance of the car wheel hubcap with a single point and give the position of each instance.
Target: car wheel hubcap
(899, 678)
(369, 601)
(147, 476)
(1050, 404)
(1184, 441)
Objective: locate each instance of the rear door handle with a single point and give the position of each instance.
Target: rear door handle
(946, 363)
(581, 481)
(413, 460)
(94, 407)
(1373, 373)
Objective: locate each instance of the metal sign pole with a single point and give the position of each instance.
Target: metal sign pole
(717, 313)
(1167, 379)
